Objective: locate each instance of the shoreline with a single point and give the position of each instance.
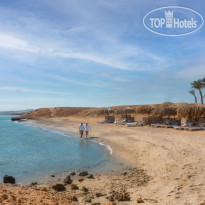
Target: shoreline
(64, 133)
(108, 185)
(56, 124)
(48, 125)
(173, 159)
(120, 165)
(167, 165)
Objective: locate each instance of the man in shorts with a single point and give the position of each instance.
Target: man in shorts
(81, 130)
(87, 129)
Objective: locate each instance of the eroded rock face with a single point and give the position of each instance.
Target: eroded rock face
(9, 179)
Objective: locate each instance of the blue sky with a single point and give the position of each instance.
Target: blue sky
(93, 53)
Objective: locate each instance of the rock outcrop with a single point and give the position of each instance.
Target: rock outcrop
(67, 180)
(58, 187)
(9, 179)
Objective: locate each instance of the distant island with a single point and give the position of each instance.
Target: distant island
(18, 112)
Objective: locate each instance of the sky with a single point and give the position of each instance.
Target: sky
(93, 53)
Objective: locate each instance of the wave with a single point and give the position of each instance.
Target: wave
(108, 147)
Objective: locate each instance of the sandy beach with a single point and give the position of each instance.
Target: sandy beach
(172, 163)
(134, 71)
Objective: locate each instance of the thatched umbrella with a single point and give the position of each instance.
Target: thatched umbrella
(165, 109)
(106, 111)
(191, 111)
(145, 109)
(126, 110)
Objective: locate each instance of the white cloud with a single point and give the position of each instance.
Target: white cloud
(11, 42)
(104, 60)
(113, 59)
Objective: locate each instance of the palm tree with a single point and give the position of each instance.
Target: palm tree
(192, 92)
(203, 82)
(198, 85)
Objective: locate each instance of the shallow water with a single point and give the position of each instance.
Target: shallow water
(28, 152)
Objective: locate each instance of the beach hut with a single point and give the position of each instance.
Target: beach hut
(163, 114)
(109, 114)
(106, 111)
(126, 113)
(166, 109)
(192, 112)
(145, 109)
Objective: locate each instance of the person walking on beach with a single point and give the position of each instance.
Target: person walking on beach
(81, 129)
(87, 129)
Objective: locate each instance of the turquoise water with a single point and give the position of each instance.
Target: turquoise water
(28, 152)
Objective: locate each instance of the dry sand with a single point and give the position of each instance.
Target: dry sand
(173, 160)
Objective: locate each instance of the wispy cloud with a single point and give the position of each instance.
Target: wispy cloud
(72, 30)
(112, 52)
(192, 73)
(98, 46)
(12, 42)
(116, 61)
(22, 89)
(97, 84)
(88, 37)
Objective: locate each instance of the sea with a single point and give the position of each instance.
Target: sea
(29, 152)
